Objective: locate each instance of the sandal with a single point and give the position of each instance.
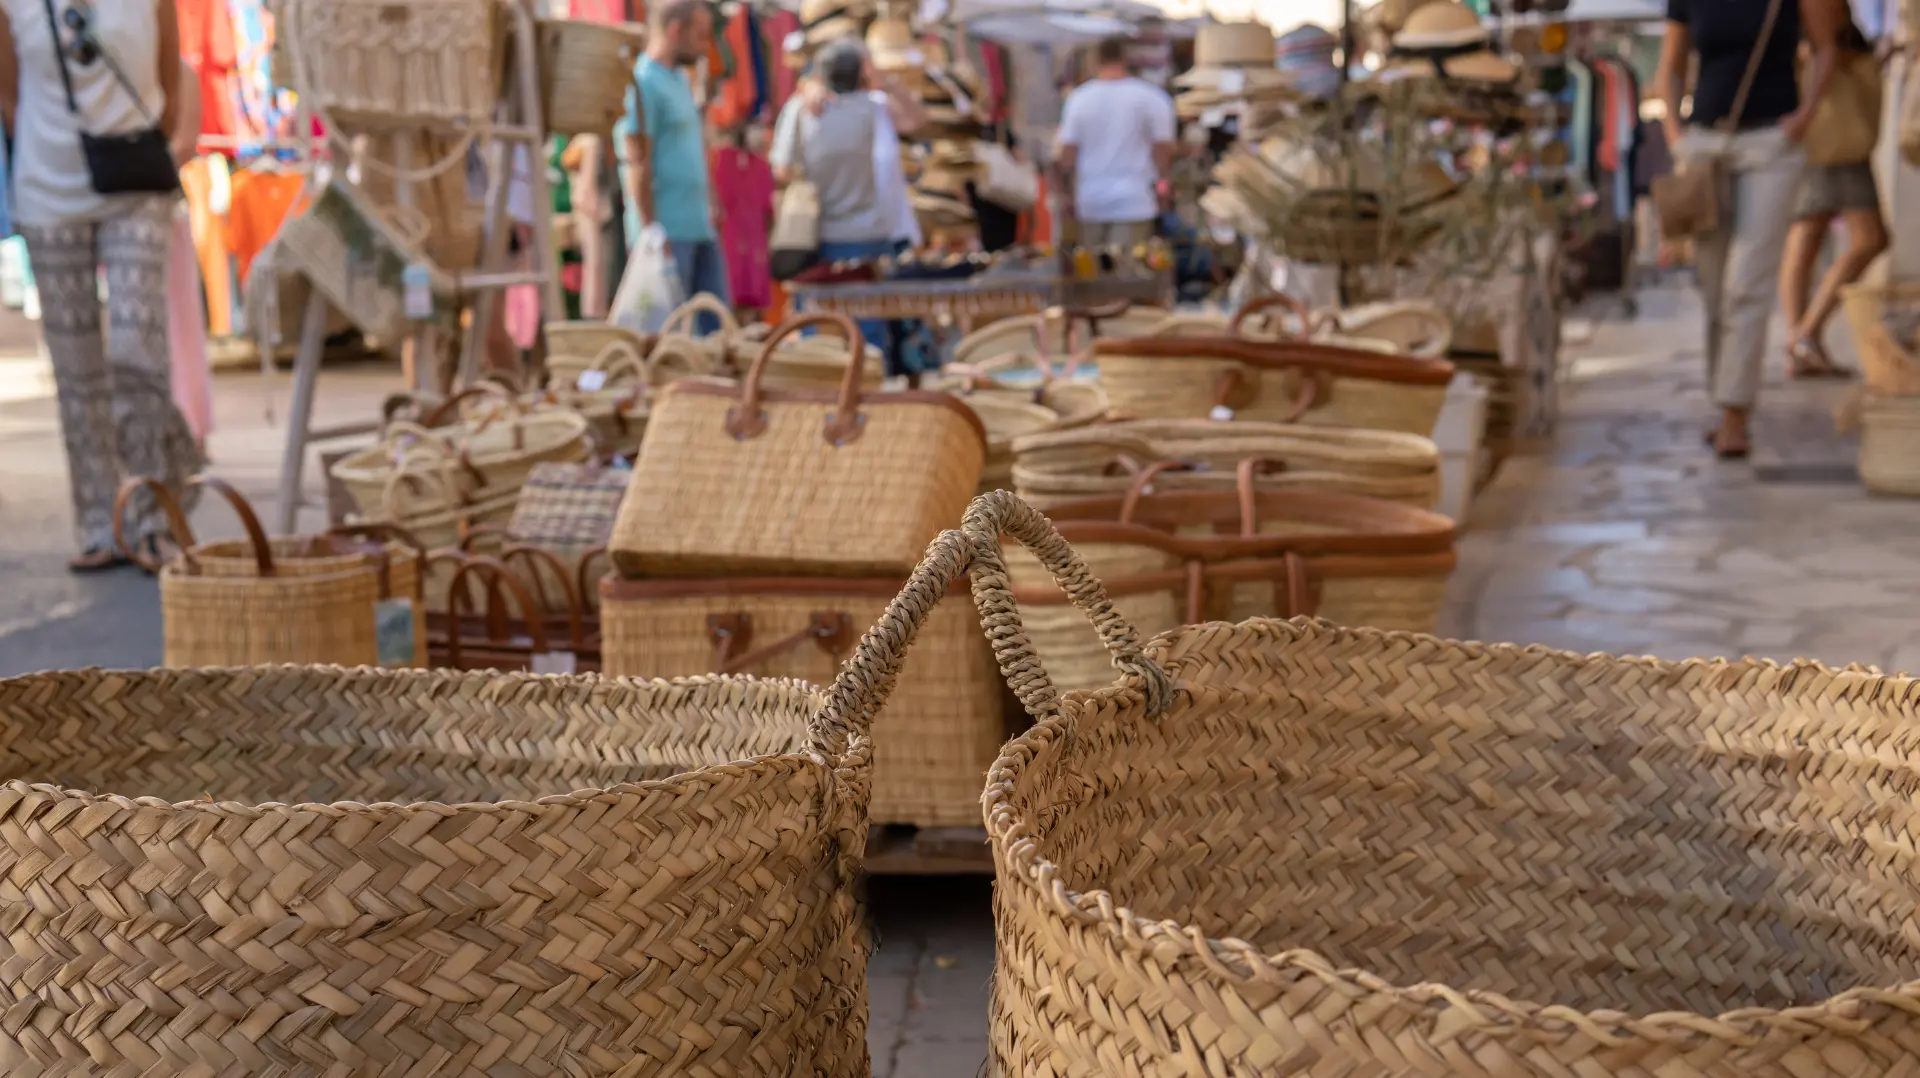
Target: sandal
(101, 559)
(1808, 360)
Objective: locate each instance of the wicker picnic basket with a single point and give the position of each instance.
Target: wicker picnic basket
(737, 480)
(573, 348)
(1185, 557)
(293, 599)
(1282, 381)
(391, 65)
(942, 725)
(585, 69)
(1104, 459)
(1294, 848)
(1888, 364)
(310, 870)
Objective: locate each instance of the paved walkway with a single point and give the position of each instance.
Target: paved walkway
(1625, 536)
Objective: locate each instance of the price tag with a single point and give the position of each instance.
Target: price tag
(416, 286)
(393, 632)
(553, 662)
(1233, 81)
(795, 42)
(592, 381)
(1221, 413)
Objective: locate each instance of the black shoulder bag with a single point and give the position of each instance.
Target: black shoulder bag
(136, 162)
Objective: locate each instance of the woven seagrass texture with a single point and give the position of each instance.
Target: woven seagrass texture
(573, 348)
(1188, 386)
(1890, 445)
(1103, 459)
(1881, 318)
(585, 69)
(941, 727)
(1293, 848)
(380, 65)
(789, 495)
(688, 912)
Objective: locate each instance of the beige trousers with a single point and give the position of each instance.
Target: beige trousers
(1124, 234)
(1739, 265)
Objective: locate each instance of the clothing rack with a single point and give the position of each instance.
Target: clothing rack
(520, 126)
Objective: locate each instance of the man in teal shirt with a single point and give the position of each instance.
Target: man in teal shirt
(665, 164)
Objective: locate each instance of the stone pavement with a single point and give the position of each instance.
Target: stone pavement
(1624, 536)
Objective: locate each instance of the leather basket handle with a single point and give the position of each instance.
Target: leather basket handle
(749, 420)
(1267, 303)
(732, 633)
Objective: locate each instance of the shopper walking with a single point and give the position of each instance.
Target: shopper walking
(1749, 113)
(1116, 144)
(665, 173)
(70, 71)
(1843, 191)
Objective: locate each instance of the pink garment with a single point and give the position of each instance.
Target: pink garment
(608, 11)
(523, 314)
(745, 183)
(187, 332)
(775, 27)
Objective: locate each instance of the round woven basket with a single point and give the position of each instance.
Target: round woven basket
(292, 599)
(575, 347)
(1890, 445)
(1006, 416)
(324, 870)
(475, 460)
(585, 69)
(1293, 848)
(1887, 363)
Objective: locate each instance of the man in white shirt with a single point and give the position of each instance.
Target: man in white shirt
(1116, 141)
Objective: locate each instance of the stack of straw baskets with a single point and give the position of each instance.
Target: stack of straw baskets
(1886, 333)
(1272, 847)
(765, 526)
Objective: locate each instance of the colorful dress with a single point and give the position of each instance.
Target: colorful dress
(744, 183)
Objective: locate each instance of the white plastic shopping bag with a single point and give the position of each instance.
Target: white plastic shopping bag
(650, 288)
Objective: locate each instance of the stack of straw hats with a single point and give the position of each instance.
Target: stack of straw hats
(1446, 41)
(1232, 65)
(822, 21)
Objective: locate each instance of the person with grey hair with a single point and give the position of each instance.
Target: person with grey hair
(665, 162)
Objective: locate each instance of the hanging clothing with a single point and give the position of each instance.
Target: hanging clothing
(890, 179)
(187, 331)
(603, 11)
(209, 229)
(1581, 128)
(785, 78)
(261, 200)
(733, 102)
(207, 45)
(744, 181)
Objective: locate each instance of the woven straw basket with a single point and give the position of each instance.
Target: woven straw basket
(942, 725)
(736, 480)
(1887, 365)
(1281, 381)
(308, 870)
(388, 64)
(573, 348)
(1890, 445)
(1104, 459)
(1187, 557)
(1290, 848)
(295, 599)
(475, 460)
(585, 69)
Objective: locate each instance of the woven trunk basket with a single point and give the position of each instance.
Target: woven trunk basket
(1282, 381)
(942, 726)
(294, 599)
(1890, 445)
(1104, 459)
(308, 870)
(737, 480)
(585, 69)
(1292, 848)
(1888, 364)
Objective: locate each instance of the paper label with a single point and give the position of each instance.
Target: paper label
(393, 632)
(795, 42)
(416, 285)
(592, 381)
(1221, 413)
(1233, 81)
(553, 662)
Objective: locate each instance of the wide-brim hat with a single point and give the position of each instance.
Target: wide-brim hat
(1224, 80)
(941, 209)
(1304, 56)
(1233, 44)
(1443, 24)
(1481, 66)
(891, 45)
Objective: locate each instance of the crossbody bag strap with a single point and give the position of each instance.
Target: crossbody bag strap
(1732, 121)
(60, 56)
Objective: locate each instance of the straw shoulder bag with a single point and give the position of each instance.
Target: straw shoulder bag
(734, 480)
(1692, 201)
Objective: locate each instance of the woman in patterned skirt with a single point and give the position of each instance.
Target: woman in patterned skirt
(67, 67)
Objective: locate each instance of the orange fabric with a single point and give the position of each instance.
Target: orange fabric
(261, 200)
(209, 245)
(733, 104)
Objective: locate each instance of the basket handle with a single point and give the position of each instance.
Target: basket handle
(702, 302)
(1267, 303)
(587, 591)
(614, 353)
(576, 631)
(450, 408)
(868, 677)
(378, 533)
(458, 598)
(176, 522)
(732, 633)
(748, 420)
(1034, 325)
(1142, 480)
(1244, 475)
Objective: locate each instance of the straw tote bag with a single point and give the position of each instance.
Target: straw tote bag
(1693, 200)
(1846, 123)
(1286, 847)
(308, 870)
(735, 480)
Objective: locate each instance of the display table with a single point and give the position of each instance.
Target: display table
(977, 300)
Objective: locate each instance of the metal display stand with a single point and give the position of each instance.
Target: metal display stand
(520, 129)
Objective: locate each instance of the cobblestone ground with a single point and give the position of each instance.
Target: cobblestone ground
(1623, 536)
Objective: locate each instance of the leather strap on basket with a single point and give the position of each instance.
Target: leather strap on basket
(536, 559)
(376, 539)
(459, 597)
(1142, 485)
(181, 530)
(748, 420)
(1232, 383)
(450, 408)
(732, 633)
(1266, 303)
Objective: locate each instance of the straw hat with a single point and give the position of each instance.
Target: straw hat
(1304, 56)
(831, 20)
(1446, 37)
(1233, 44)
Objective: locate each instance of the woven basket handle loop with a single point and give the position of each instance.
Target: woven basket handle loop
(617, 354)
(682, 319)
(748, 420)
(450, 408)
(256, 534)
(404, 436)
(176, 523)
(458, 597)
(1296, 593)
(417, 482)
(536, 557)
(1245, 473)
(1267, 303)
(1143, 483)
(1033, 325)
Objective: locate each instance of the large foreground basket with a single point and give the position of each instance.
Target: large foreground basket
(314, 870)
(1290, 848)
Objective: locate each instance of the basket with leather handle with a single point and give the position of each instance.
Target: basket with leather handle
(737, 480)
(1696, 198)
(576, 347)
(942, 725)
(1010, 411)
(1104, 459)
(1277, 381)
(292, 599)
(1183, 557)
(482, 459)
(1288, 847)
(314, 870)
